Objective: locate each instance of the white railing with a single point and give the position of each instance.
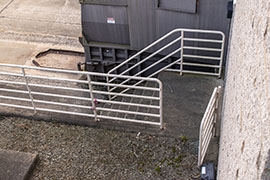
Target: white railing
(194, 50)
(207, 128)
(190, 49)
(33, 88)
(181, 40)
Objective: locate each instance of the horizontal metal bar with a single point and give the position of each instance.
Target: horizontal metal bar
(173, 70)
(62, 96)
(200, 72)
(201, 57)
(45, 102)
(13, 82)
(202, 48)
(203, 40)
(128, 104)
(44, 86)
(128, 112)
(65, 112)
(63, 104)
(15, 98)
(200, 31)
(129, 120)
(77, 89)
(45, 94)
(11, 74)
(14, 90)
(124, 86)
(75, 72)
(17, 106)
(201, 65)
(57, 79)
(47, 110)
(126, 95)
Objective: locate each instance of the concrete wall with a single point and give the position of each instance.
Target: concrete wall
(245, 135)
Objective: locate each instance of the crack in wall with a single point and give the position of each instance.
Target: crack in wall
(4, 8)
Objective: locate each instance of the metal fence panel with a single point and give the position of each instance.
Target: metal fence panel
(207, 128)
(27, 89)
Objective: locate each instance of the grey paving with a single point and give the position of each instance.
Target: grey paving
(185, 100)
(16, 165)
(54, 22)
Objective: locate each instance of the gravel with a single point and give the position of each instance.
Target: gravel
(76, 152)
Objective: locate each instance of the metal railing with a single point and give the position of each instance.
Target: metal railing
(201, 53)
(183, 39)
(208, 123)
(83, 97)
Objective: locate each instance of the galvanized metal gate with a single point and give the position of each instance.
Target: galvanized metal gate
(187, 51)
(47, 90)
(207, 128)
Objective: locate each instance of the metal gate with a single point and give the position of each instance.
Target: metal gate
(207, 128)
(194, 51)
(48, 90)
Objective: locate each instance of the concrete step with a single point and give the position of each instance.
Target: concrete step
(16, 165)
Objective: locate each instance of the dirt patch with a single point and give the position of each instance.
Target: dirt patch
(59, 60)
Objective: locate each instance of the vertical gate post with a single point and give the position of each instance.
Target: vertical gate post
(92, 97)
(29, 90)
(221, 56)
(182, 53)
(217, 110)
(161, 105)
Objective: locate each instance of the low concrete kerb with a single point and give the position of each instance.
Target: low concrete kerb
(16, 165)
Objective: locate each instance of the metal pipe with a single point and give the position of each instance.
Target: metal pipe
(201, 57)
(182, 53)
(29, 90)
(92, 97)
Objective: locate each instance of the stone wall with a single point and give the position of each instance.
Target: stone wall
(245, 126)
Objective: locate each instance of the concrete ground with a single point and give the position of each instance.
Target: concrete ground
(30, 27)
(55, 22)
(185, 101)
